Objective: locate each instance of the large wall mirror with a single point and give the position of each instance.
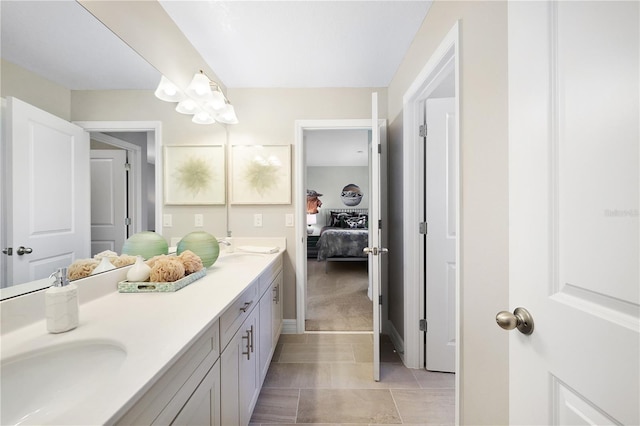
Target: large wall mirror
(51, 49)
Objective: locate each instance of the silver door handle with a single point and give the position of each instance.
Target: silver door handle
(520, 319)
(24, 250)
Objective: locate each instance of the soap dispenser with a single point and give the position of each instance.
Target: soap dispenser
(61, 303)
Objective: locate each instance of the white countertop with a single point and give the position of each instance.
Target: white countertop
(153, 328)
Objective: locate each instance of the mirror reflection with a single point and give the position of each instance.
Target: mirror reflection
(49, 50)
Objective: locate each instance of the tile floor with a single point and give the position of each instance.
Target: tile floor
(327, 379)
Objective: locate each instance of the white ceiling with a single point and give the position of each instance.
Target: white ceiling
(303, 43)
(64, 43)
(336, 147)
(300, 43)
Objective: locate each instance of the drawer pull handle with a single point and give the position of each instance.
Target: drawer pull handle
(249, 346)
(246, 306)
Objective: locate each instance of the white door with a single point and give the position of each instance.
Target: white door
(48, 189)
(573, 201)
(108, 200)
(440, 259)
(375, 248)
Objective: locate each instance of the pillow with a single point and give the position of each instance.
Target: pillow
(348, 220)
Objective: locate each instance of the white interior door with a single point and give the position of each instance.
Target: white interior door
(375, 248)
(108, 200)
(48, 186)
(573, 198)
(441, 187)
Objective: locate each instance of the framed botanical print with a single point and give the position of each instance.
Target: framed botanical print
(194, 174)
(260, 174)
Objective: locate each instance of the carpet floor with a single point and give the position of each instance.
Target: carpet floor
(337, 300)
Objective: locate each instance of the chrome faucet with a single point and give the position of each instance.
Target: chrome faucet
(224, 241)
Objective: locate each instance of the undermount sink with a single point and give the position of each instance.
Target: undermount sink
(239, 257)
(37, 386)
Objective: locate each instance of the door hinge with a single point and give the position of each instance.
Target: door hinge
(380, 299)
(423, 325)
(127, 166)
(423, 130)
(379, 223)
(379, 149)
(127, 221)
(422, 228)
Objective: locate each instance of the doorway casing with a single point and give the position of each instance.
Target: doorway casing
(300, 201)
(444, 60)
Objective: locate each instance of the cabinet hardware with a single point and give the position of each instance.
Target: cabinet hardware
(246, 306)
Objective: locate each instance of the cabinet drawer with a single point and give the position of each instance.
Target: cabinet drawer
(235, 314)
(270, 274)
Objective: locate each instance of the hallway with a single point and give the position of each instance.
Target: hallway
(326, 379)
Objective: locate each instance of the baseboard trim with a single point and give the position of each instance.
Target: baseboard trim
(289, 326)
(397, 340)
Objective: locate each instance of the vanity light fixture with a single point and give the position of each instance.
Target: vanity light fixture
(203, 99)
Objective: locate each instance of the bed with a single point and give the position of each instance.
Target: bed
(344, 237)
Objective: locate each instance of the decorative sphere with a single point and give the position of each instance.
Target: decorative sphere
(146, 244)
(203, 244)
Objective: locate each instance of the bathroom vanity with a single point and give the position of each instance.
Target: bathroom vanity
(196, 356)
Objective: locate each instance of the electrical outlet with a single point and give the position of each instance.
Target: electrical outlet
(257, 220)
(198, 220)
(167, 219)
(288, 219)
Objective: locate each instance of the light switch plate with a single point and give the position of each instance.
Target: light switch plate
(288, 219)
(167, 220)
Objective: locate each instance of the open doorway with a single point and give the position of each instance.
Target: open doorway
(338, 297)
(121, 172)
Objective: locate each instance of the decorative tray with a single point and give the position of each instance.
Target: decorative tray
(149, 287)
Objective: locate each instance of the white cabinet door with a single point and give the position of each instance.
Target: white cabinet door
(266, 326)
(277, 312)
(574, 120)
(239, 376)
(203, 407)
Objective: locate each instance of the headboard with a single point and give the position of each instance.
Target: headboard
(327, 213)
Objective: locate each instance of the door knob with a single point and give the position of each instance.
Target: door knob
(23, 250)
(520, 319)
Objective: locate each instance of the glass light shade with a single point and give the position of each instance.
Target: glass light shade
(203, 117)
(168, 92)
(227, 115)
(217, 101)
(199, 88)
(188, 106)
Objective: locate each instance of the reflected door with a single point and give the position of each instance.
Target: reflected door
(573, 205)
(48, 193)
(108, 200)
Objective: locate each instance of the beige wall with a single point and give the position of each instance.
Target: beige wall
(267, 116)
(484, 150)
(29, 87)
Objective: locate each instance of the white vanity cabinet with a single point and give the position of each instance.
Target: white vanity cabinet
(218, 379)
(245, 359)
(189, 390)
(270, 322)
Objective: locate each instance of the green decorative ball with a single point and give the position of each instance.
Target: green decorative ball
(203, 244)
(146, 244)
